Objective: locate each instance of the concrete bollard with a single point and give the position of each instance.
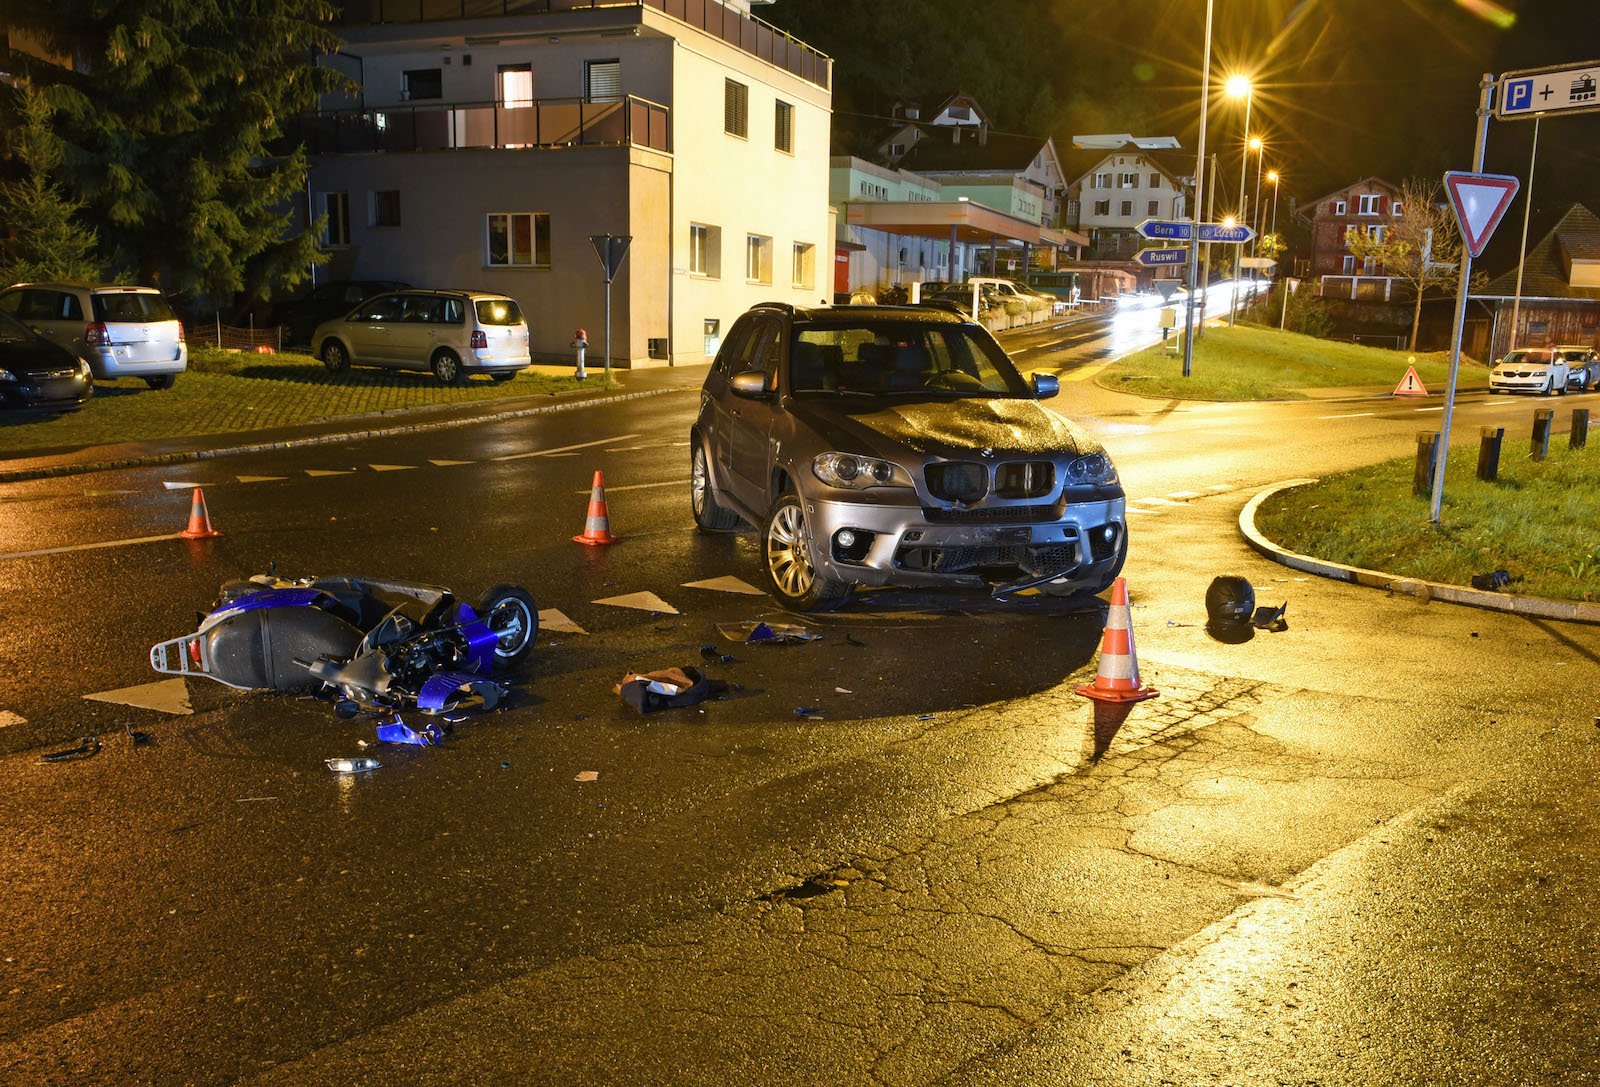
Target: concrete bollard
(1541, 432)
(1578, 436)
(1489, 438)
(1427, 463)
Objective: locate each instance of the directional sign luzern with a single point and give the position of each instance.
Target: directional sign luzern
(1154, 258)
(1173, 230)
(1548, 90)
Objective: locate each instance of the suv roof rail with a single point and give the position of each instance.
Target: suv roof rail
(786, 307)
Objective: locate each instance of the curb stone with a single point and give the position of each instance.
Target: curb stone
(49, 471)
(1539, 606)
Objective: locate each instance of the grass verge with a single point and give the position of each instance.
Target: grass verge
(225, 392)
(1538, 522)
(1250, 363)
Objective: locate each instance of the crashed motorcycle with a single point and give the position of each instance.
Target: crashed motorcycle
(373, 645)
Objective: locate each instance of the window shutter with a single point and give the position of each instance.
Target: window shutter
(783, 127)
(735, 100)
(604, 79)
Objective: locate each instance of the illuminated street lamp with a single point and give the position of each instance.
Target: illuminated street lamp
(1240, 86)
(1260, 148)
(1273, 176)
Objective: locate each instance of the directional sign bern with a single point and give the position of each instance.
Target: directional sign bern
(1574, 89)
(1152, 258)
(1479, 201)
(1177, 231)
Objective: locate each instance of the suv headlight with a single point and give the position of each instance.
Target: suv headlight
(1092, 468)
(852, 472)
(7, 375)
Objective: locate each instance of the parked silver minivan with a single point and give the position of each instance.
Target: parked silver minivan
(452, 333)
(120, 331)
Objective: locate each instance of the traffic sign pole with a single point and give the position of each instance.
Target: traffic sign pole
(1194, 209)
(1485, 104)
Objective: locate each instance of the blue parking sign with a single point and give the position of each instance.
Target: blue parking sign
(1519, 95)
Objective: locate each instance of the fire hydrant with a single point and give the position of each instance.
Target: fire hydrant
(580, 344)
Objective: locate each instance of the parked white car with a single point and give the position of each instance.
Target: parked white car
(1537, 370)
(454, 334)
(120, 331)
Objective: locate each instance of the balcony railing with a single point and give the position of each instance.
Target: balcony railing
(543, 122)
(742, 31)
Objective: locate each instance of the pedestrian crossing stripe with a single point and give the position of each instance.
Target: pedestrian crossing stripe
(166, 695)
(390, 467)
(448, 463)
(1411, 384)
(316, 473)
(727, 584)
(260, 479)
(555, 621)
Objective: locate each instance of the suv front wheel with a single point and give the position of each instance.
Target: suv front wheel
(786, 555)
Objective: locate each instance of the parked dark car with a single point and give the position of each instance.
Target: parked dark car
(37, 374)
(898, 445)
(301, 316)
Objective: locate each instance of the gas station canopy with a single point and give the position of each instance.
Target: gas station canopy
(974, 224)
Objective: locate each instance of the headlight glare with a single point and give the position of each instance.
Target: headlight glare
(7, 375)
(1093, 469)
(852, 472)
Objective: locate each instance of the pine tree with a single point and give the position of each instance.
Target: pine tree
(171, 114)
(43, 237)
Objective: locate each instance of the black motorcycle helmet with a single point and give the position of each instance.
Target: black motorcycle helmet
(1230, 601)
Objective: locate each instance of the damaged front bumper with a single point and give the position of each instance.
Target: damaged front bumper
(1069, 546)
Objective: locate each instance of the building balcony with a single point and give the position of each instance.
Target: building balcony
(746, 32)
(541, 123)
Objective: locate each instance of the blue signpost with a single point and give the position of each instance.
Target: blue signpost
(1156, 258)
(1169, 230)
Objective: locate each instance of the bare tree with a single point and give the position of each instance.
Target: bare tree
(1420, 247)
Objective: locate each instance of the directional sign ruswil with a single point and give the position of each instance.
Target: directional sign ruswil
(1173, 230)
(1571, 89)
(1479, 201)
(1155, 258)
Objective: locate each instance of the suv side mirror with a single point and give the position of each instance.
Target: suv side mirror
(752, 384)
(1045, 386)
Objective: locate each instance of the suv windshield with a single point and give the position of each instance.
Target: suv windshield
(901, 359)
(131, 306)
(498, 311)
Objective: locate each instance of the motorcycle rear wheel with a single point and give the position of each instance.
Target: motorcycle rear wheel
(514, 617)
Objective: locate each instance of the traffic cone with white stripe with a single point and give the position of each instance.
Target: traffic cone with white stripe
(199, 520)
(1117, 678)
(597, 527)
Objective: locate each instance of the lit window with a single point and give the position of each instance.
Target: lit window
(335, 218)
(757, 259)
(1339, 207)
(518, 239)
(1369, 204)
(805, 264)
(705, 250)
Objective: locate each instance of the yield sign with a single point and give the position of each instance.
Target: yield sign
(1479, 201)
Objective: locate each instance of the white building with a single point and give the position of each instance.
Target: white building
(1121, 190)
(485, 141)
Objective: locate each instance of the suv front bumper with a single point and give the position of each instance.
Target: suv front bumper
(909, 548)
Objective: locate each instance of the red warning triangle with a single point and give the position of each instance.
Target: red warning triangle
(1479, 201)
(1411, 384)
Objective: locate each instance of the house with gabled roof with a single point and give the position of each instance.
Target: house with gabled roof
(1559, 301)
(1115, 192)
(1368, 206)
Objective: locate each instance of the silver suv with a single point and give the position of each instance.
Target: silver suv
(119, 331)
(452, 333)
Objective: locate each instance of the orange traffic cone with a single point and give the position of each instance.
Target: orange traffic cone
(1117, 678)
(597, 527)
(199, 520)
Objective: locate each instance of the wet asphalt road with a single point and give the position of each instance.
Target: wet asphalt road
(1361, 851)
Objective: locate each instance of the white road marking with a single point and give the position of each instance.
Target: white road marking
(390, 467)
(171, 486)
(317, 473)
(1157, 502)
(1349, 415)
(85, 547)
(1136, 509)
(449, 463)
(7, 718)
(645, 601)
(1182, 496)
(260, 479)
(556, 621)
(728, 584)
(566, 448)
(166, 695)
(640, 486)
(1439, 408)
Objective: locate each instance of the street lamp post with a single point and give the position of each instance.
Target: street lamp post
(1260, 148)
(1199, 183)
(1240, 86)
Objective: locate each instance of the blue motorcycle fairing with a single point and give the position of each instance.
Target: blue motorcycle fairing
(436, 694)
(268, 598)
(482, 641)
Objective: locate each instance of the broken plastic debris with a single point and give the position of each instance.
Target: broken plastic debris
(397, 731)
(587, 775)
(140, 739)
(709, 652)
(1493, 581)
(87, 748)
(925, 717)
(1271, 619)
(842, 690)
(357, 765)
(807, 711)
(756, 632)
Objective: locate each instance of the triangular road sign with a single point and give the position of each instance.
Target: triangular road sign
(1479, 201)
(1411, 384)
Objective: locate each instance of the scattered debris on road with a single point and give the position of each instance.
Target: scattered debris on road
(709, 652)
(357, 765)
(668, 689)
(87, 748)
(1271, 619)
(140, 739)
(587, 775)
(757, 632)
(1494, 580)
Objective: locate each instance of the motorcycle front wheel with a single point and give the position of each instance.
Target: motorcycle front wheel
(514, 617)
